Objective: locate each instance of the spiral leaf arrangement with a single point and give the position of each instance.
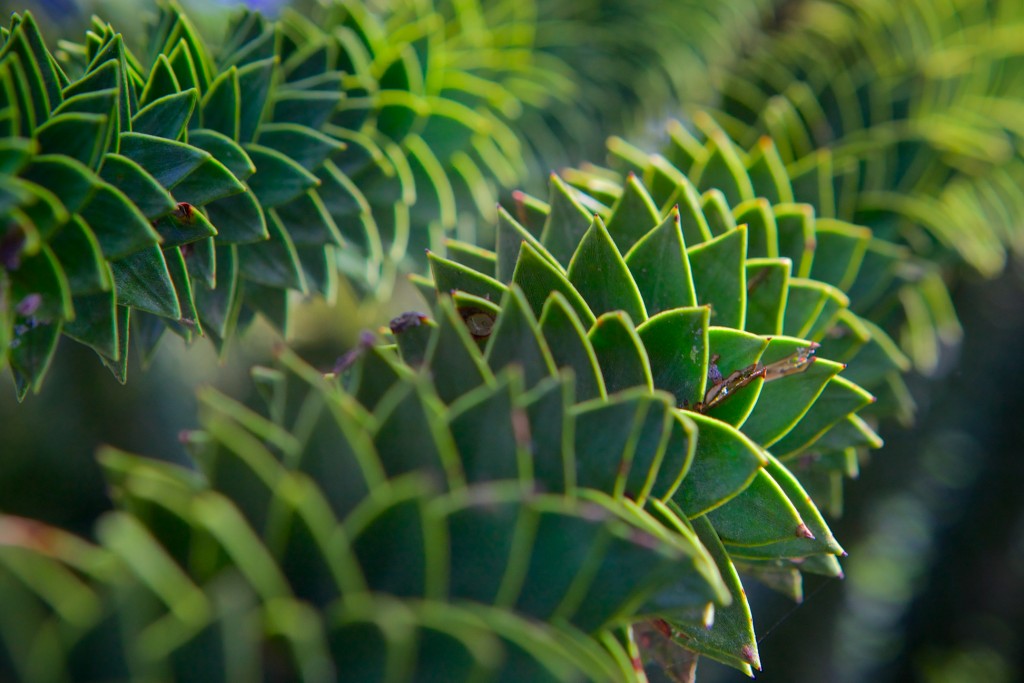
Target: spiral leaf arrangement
(194, 188)
(911, 116)
(582, 386)
(137, 192)
(566, 467)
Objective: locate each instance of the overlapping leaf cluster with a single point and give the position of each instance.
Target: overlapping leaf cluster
(377, 532)
(433, 91)
(578, 436)
(439, 502)
(192, 188)
(789, 213)
(913, 109)
(725, 318)
(142, 192)
(561, 473)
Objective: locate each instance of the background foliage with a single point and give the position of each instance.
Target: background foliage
(946, 66)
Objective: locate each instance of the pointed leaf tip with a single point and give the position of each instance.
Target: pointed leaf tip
(750, 655)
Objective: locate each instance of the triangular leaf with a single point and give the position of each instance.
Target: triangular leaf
(633, 216)
(661, 269)
(601, 276)
(676, 343)
(538, 278)
(566, 224)
(724, 464)
(570, 346)
(516, 340)
(719, 277)
(143, 282)
(620, 353)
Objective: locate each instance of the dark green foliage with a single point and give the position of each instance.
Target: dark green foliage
(350, 516)
(745, 383)
(802, 275)
(136, 222)
(643, 396)
(264, 156)
(882, 119)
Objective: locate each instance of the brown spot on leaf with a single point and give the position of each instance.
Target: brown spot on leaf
(479, 322)
(755, 281)
(185, 212)
(662, 627)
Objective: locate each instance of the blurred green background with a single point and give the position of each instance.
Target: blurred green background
(934, 590)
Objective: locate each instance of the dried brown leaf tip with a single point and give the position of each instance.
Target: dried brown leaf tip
(521, 428)
(750, 655)
(28, 533)
(803, 532)
(406, 321)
